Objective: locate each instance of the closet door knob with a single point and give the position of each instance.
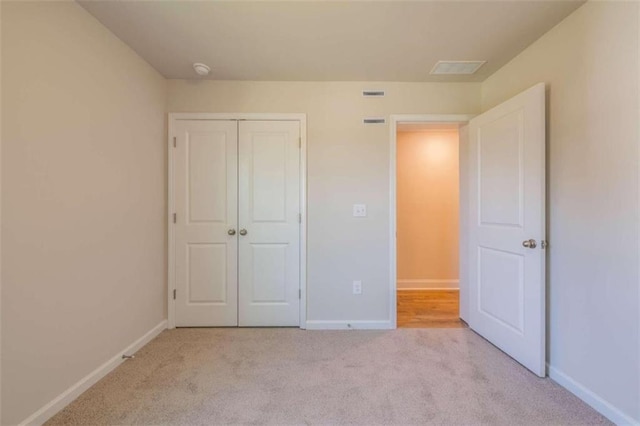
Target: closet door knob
(243, 232)
(231, 232)
(529, 244)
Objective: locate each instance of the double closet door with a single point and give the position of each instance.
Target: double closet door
(237, 223)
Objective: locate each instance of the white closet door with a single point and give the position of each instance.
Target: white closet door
(507, 229)
(269, 228)
(205, 185)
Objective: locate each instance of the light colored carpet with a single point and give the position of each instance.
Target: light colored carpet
(290, 376)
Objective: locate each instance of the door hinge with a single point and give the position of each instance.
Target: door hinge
(174, 294)
(175, 143)
(300, 142)
(175, 218)
(299, 217)
(299, 294)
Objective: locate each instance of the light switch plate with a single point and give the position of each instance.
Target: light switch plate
(359, 210)
(357, 287)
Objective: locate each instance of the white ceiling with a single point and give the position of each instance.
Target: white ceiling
(327, 40)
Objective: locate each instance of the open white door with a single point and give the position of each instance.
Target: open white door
(507, 227)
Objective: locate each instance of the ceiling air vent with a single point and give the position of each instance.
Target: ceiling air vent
(457, 67)
(374, 120)
(373, 93)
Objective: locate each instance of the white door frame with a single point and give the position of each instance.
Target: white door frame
(176, 116)
(396, 119)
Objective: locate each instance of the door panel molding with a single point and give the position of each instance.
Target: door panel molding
(174, 120)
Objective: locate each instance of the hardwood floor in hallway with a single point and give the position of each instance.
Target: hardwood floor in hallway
(429, 309)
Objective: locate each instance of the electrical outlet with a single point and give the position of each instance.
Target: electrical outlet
(359, 210)
(357, 287)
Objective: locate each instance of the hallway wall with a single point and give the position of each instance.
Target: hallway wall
(427, 208)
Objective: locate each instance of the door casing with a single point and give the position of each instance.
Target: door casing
(175, 117)
(461, 119)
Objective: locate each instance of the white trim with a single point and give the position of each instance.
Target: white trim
(66, 397)
(303, 224)
(595, 401)
(349, 325)
(236, 116)
(171, 265)
(638, 206)
(428, 284)
(302, 118)
(394, 120)
(431, 118)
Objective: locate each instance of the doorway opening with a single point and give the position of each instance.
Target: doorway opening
(426, 212)
(502, 223)
(427, 203)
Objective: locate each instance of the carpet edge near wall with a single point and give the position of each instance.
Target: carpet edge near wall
(69, 395)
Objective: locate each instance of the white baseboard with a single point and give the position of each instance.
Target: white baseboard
(349, 325)
(595, 401)
(428, 284)
(66, 397)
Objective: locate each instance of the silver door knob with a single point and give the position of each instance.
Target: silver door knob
(243, 232)
(231, 232)
(529, 244)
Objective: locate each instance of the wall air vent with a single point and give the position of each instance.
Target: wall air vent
(457, 67)
(374, 120)
(373, 93)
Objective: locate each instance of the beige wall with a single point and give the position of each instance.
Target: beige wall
(427, 208)
(83, 200)
(590, 65)
(348, 163)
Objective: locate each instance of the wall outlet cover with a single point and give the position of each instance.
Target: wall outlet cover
(359, 210)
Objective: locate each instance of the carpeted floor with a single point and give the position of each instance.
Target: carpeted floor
(290, 376)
